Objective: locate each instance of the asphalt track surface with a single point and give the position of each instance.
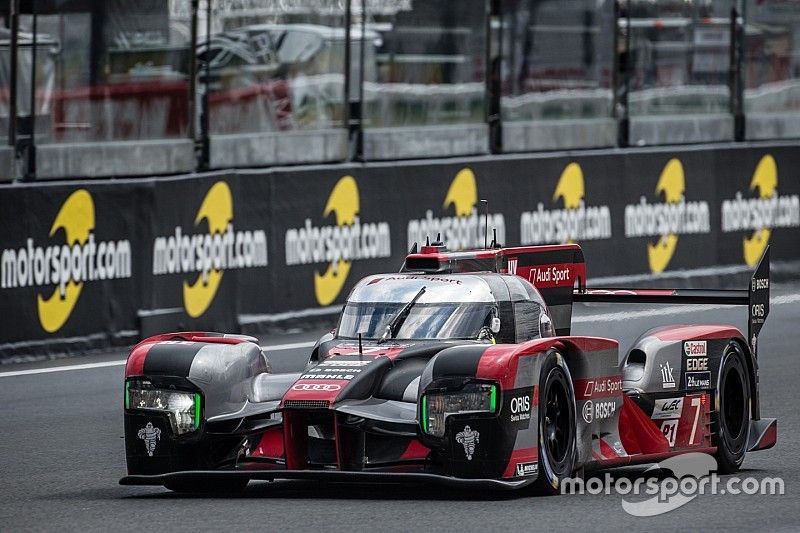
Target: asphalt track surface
(62, 453)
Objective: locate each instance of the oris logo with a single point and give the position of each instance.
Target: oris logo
(325, 387)
(520, 404)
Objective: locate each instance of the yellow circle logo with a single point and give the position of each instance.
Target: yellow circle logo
(217, 211)
(344, 202)
(76, 218)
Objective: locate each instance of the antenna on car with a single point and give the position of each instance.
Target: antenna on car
(360, 347)
(486, 222)
(427, 240)
(494, 238)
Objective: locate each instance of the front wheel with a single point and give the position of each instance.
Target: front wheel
(733, 416)
(556, 423)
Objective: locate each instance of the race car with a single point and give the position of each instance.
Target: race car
(460, 369)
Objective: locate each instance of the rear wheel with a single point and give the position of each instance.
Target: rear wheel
(556, 424)
(733, 425)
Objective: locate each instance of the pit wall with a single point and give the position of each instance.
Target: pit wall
(96, 263)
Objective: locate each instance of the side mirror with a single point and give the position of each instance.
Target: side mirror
(545, 326)
(495, 326)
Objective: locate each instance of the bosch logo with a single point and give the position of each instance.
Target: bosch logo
(325, 387)
(588, 411)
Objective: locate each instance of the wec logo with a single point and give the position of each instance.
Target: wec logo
(82, 258)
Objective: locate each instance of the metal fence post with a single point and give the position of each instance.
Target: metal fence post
(205, 142)
(624, 123)
(30, 171)
(193, 73)
(493, 84)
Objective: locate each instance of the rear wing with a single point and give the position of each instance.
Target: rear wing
(756, 297)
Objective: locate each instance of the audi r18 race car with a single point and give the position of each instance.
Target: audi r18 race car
(459, 369)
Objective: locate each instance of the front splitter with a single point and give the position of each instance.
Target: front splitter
(204, 476)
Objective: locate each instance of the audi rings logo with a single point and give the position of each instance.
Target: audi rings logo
(326, 387)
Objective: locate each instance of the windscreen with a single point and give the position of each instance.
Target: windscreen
(424, 321)
(418, 307)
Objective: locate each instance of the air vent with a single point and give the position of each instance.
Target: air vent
(306, 404)
(633, 369)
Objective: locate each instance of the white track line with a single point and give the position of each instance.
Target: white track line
(120, 362)
(86, 366)
(291, 346)
(608, 317)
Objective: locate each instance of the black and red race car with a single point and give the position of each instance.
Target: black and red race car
(459, 369)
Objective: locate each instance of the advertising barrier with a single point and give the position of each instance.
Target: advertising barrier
(102, 262)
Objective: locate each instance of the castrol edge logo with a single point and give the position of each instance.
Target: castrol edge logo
(759, 215)
(337, 245)
(79, 259)
(575, 222)
(208, 254)
(666, 220)
(464, 230)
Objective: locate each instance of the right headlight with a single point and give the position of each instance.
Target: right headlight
(182, 408)
(437, 406)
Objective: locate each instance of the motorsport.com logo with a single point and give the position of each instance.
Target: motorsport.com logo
(331, 244)
(181, 253)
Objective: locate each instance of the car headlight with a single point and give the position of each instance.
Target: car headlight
(182, 407)
(473, 398)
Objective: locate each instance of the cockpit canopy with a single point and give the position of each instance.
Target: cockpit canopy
(450, 307)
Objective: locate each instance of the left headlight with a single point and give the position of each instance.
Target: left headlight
(472, 398)
(182, 408)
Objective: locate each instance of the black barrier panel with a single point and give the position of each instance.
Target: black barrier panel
(216, 250)
(70, 260)
(207, 233)
(758, 202)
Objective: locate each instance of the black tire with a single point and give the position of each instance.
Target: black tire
(557, 450)
(733, 418)
(220, 486)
